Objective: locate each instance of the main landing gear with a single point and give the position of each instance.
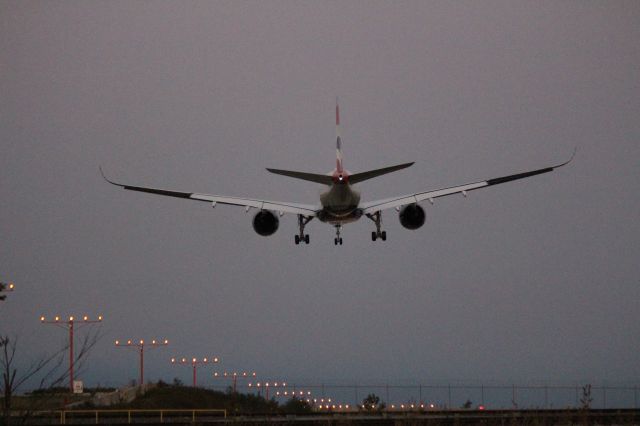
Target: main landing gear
(302, 221)
(338, 239)
(378, 233)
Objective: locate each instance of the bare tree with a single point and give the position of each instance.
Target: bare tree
(3, 288)
(47, 370)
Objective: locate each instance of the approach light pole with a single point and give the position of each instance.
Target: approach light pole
(69, 325)
(194, 362)
(234, 376)
(267, 385)
(139, 346)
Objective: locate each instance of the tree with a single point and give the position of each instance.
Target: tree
(296, 406)
(586, 398)
(3, 288)
(47, 369)
(372, 403)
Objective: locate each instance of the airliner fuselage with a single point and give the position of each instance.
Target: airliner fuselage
(340, 203)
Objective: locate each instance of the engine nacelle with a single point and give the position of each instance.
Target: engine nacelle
(265, 223)
(412, 216)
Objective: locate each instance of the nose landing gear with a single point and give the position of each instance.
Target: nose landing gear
(338, 239)
(378, 233)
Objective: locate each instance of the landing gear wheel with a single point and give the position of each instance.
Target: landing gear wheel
(374, 236)
(306, 239)
(297, 239)
(384, 236)
(340, 241)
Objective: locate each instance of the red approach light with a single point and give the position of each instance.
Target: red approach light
(481, 407)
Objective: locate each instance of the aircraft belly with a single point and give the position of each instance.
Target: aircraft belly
(340, 205)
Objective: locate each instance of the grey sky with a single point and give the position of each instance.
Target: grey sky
(535, 280)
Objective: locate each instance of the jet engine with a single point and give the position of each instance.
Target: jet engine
(412, 216)
(265, 223)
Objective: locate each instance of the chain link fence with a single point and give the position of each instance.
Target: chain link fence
(454, 396)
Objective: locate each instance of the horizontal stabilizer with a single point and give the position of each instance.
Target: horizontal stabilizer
(311, 177)
(359, 177)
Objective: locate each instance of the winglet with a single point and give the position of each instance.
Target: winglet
(106, 178)
(569, 160)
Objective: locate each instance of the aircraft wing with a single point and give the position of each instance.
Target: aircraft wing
(375, 206)
(282, 207)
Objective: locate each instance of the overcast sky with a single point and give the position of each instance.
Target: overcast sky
(531, 281)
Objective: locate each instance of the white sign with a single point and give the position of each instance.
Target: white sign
(77, 386)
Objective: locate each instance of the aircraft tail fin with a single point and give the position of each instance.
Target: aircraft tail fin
(328, 179)
(359, 177)
(339, 166)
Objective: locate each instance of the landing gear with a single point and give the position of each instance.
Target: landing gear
(382, 235)
(302, 237)
(338, 239)
(378, 233)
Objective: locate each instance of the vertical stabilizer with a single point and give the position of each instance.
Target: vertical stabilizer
(339, 167)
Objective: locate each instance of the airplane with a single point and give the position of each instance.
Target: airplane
(340, 203)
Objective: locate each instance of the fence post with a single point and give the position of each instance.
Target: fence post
(449, 389)
(604, 396)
